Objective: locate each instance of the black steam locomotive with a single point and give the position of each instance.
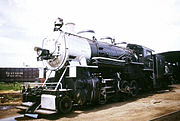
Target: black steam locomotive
(87, 71)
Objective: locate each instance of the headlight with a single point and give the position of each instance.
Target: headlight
(38, 50)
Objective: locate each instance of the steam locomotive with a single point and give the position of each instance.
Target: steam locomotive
(88, 71)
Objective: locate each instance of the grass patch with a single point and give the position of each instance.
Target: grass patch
(10, 86)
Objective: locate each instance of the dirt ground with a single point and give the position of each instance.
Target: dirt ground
(144, 107)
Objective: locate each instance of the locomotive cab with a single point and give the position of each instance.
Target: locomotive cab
(144, 55)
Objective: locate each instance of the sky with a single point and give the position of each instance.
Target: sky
(24, 23)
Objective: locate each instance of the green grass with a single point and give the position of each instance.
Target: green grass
(10, 86)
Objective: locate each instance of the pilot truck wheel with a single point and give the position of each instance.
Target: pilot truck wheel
(65, 105)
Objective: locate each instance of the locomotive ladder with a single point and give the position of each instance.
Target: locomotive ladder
(54, 85)
(107, 89)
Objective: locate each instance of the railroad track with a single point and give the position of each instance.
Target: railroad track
(173, 116)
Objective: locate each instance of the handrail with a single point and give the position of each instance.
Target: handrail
(46, 79)
(59, 82)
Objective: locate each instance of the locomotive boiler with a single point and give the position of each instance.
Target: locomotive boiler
(88, 71)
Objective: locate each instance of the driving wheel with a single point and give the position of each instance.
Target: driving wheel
(134, 88)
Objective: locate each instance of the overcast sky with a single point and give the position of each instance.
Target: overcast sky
(24, 23)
